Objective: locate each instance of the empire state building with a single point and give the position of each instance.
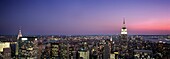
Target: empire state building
(124, 31)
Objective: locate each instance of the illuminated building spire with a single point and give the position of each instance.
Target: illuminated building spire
(111, 38)
(123, 20)
(19, 34)
(124, 30)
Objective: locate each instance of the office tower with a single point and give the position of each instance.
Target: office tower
(124, 31)
(94, 54)
(114, 51)
(19, 35)
(13, 49)
(28, 48)
(123, 43)
(84, 51)
(84, 54)
(71, 52)
(6, 53)
(54, 50)
(4, 45)
(64, 51)
(106, 51)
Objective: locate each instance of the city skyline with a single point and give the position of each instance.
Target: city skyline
(84, 17)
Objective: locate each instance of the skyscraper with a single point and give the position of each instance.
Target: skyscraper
(124, 31)
(19, 35)
(28, 48)
(123, 43)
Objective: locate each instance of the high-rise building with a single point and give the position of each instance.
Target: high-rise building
(7, 53)
(84, 54)
(19, 35)
(54, 50)
(28, 48)
(123, 43)
(4, 45)
(124, 31)
(106, 51)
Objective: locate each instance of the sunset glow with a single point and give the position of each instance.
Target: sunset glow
(85, 17)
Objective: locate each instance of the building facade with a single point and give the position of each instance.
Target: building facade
(27, 48)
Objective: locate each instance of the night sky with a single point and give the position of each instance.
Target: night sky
(66, 17)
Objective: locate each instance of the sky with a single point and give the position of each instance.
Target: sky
(84, 17)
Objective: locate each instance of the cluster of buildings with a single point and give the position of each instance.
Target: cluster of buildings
(121, 46)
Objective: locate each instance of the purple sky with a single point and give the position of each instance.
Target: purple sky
(84, 16)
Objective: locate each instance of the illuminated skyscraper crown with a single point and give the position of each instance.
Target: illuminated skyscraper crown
(124, 30)
(19, 34)
(124, 26)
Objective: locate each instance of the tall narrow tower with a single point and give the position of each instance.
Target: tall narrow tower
(19, 35)
(124, 31)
